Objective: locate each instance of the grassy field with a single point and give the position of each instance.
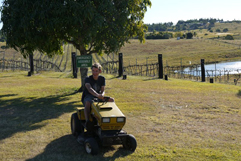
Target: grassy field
(176, 51)
(171, 120)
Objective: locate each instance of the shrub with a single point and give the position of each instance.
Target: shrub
(189, 35)
(225, 30)
(229, 37)
(218, 30)
(159, 35)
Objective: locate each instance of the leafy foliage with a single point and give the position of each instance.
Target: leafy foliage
(159, 35)
(92, 26)
(185, 25)
(159, 26)
(178, 34)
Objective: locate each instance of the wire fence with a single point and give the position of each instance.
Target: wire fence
(230, 76)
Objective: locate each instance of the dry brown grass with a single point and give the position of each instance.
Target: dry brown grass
(176, 52)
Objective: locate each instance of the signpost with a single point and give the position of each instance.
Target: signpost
(84, 61)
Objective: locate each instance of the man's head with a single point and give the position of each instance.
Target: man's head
(96, 69)
(96, 65)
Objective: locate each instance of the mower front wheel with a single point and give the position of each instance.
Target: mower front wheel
(91, 146)
(130, 143)
(76, 126)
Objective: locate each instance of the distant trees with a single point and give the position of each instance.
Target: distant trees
(168, 35)
(188, 25)
(159, 26)
(195, 24)
(212, 23)
(178, 34)
(159, 35)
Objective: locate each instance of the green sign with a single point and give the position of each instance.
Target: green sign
(84, 61)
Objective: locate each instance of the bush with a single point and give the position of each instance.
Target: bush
(178, 34)
(229, 37)
(218, 30)
(160, 35)
(225, 30)
(189, 35)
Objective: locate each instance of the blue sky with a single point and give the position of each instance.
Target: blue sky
(174, 10)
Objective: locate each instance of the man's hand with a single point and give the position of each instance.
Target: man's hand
(101, 96)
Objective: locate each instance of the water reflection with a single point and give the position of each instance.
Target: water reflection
(216, 69)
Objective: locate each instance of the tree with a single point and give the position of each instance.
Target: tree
(92, 26)
(189, 35)
(225, 30)
(194, 33)
(178, 34)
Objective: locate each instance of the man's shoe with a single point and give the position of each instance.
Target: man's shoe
(88, 125)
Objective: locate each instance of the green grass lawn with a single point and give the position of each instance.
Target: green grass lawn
(171, 120)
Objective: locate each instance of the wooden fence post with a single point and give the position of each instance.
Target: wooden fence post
(31, 64)
(160, 66)
(74, 64)
(120, 64)
(202, 70)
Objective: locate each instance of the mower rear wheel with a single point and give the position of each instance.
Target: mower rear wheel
(76, 126)
(130, 143)
(91, 146)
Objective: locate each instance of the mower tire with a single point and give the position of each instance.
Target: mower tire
(76, 126)
(91, 146)
(130, 143)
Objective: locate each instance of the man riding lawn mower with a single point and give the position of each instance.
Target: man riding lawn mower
(100, 122)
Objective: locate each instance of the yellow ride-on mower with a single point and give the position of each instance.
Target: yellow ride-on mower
(105, 128)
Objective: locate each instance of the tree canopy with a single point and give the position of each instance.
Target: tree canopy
(92, 26)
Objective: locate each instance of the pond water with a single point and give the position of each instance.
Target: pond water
(217, 69)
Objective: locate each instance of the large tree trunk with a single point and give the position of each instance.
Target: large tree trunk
(83, 71)
(83, 74)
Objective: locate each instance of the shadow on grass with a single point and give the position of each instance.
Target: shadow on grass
(8, 95)
(149, 79)
(239, 93)
(115, 77)
(67, 148)
(19, 114)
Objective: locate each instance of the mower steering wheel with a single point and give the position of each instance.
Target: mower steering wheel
(106, 99)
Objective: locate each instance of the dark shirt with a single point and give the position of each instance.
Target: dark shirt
(95, 84)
